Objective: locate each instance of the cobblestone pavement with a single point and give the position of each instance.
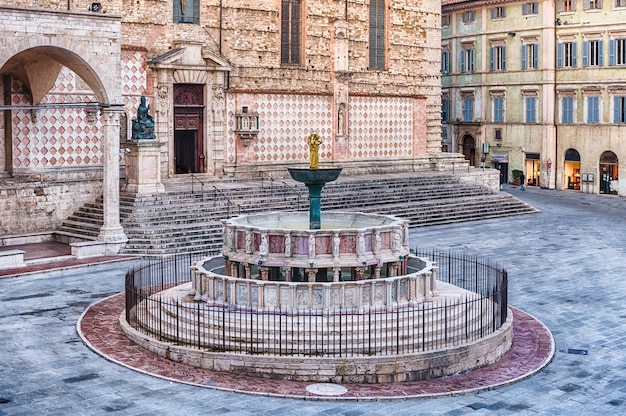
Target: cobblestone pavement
(566, 267)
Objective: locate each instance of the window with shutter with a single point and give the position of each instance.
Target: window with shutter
(592, 53)
(592, 4)
(290, 32)
(530, 8)
(377, 34)
(445, 61)
(468, 109)
(497, 61)
(566, 55)
(498, 109)
(593, 109)
(567, 110)
(468, 16)
(617, 52)
(531, 109)
(466, 59)
(619, 109)
(497, 12)
(187, 11)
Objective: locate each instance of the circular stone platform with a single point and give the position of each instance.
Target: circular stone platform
(532, 350)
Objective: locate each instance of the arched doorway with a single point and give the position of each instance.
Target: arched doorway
(571, 169)
(608, 173)
(469, 149)
(188, 132)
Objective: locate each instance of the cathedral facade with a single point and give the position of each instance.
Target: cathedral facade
(234, 89)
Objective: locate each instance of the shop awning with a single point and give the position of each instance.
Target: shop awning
(500, 157)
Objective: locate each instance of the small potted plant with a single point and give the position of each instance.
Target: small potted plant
(516, 176)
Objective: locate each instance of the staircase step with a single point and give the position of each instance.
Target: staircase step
(184, 221)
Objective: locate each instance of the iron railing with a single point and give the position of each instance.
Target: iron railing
(342, 332)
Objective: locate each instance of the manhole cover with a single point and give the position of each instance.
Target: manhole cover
(326, 389)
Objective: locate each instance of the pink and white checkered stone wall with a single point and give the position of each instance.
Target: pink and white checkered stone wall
(56, 137)
(63, 137)
(285, 121)
(379, 127)
(134, 80)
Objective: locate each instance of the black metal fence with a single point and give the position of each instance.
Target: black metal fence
(431, 325)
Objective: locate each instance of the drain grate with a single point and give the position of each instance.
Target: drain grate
(576, 351)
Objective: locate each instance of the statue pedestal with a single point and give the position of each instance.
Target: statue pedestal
(143, 167)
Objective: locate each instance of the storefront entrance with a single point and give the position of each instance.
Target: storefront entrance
(500, 161)
(188, 122)
(571, 169)
(532, 169)
(608, 173)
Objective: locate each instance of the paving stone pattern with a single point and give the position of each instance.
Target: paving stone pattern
(566, 267)
(532, 349)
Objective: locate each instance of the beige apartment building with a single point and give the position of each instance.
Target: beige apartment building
(538, 87)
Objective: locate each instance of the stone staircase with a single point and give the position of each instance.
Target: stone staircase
(186, 220)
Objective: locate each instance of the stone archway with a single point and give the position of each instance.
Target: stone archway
(36, 54)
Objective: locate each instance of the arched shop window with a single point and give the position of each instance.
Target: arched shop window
(571, 169)
(609, 173)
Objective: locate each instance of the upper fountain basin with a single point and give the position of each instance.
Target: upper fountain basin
(314, 176)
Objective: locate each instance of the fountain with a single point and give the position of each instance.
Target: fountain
(314, 178)
(342, 301)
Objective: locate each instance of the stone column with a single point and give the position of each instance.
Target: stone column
(112, 232)
(336, 274)
(393, 269)
(228, 268)
(264, 272)
(312, 273)
(234, 269)
(433, 279)
(287, 273)
(427, 281)
(360, 273)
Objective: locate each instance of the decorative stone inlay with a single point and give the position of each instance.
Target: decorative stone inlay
(381, 128)
(56, 137)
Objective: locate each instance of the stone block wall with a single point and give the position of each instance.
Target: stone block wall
(42, 203)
